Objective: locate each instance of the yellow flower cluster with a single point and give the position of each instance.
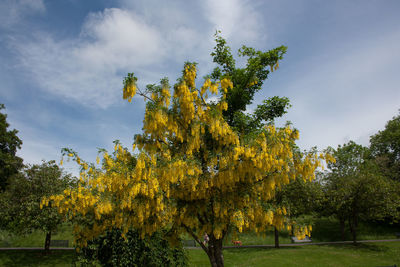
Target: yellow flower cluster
(225, 84)
(302, 231)
(274, 66)
(253, 83)
(190, 74)
(129, 91)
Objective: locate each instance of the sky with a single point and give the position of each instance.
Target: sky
(62, 64)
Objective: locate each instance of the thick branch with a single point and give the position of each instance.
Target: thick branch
(196, 238)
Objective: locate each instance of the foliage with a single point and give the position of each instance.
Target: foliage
(246, 82)
(112, 249)
(301, 200)
(356, 190)
(20, 207)
(385, 147)
(9, 143)
(302, 197)
(195, 171)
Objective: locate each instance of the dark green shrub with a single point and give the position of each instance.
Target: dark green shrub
(112, 249)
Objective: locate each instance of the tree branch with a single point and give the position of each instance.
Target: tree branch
(195, 238)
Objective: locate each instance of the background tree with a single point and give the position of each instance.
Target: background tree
(385, 147)
(356, 190)
(196, 172)
(9, 143)
(20, 204)
(302, 200)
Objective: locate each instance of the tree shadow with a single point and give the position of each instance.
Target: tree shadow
(14, 258)
(361, 247)
(242, 250)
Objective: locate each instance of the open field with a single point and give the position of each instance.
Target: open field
(376, 254)
(36, 239)
(371, 254)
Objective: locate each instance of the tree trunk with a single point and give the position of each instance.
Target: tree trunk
(353, 229)
(47, 242)
(355, 225)
(354, 236)
(214, 252)
(276, 238)
(342, 227)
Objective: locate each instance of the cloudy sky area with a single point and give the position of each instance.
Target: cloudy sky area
(63, 62)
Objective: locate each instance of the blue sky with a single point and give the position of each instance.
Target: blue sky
(63, 62)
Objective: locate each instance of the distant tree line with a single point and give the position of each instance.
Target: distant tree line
(362, 185)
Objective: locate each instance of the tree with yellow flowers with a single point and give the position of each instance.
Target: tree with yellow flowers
(200, 167)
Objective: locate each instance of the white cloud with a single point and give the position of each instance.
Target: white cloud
(121, 39)
(13, 11)
(88, 69)
(238, 20)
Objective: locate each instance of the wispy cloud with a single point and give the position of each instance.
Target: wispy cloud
(14, 11)
(238, 20)
(89, 68)
(360, 81)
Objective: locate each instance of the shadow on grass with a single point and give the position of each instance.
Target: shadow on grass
(240, 250)
(359, 247)
(14, 258)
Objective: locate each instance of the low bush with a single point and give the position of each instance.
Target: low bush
(113, 250)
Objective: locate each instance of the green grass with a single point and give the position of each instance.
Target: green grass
(325, 229)
(35, 239)
(372, 254)
(35, 258)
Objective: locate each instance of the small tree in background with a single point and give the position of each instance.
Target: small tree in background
(356, 190)
(302, 201)
(20, 204)
(9, 143)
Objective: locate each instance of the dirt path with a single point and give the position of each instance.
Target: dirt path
(308, 244)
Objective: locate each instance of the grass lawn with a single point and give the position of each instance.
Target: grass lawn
(14, 258)
(371, 254)
(35, 239)
(325, 229)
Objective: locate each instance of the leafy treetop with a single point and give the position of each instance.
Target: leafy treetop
(246, 82)
(9, 143)
(385, 147)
